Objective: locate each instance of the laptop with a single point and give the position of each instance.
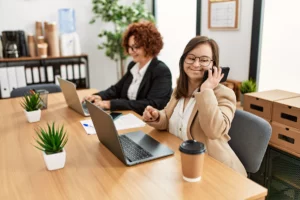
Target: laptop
(131, 148)
(69, 90)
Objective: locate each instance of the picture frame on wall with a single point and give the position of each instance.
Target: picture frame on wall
(223, 14)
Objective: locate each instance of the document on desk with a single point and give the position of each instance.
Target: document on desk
(121, 123)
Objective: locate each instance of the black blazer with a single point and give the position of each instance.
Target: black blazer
(155, 89)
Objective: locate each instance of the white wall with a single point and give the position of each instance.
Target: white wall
(279, 66)
(176, 21)
(22, 14)
(234, 44)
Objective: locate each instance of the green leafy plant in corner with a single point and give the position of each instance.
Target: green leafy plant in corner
(248, 86)
(51, 140)
(31, 102)
(121, 16)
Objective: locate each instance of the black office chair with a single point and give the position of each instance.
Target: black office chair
(250, 136)
(51, 88)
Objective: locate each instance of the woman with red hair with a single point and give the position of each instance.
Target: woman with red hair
(147, 81)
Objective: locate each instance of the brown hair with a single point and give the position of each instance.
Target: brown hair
(182, 81)
(146, 36)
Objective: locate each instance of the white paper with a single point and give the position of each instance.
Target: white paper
(121, 123)
(223, 14)
(128, 121)
(88, 126)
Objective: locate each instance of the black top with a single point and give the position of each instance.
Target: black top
(192, 147)
(155, 89)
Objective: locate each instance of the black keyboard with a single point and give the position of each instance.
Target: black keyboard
(133, 151)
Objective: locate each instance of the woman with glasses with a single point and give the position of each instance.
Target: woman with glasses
(147, 81)
(199, 110)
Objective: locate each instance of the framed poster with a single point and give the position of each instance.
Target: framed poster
(223, 14)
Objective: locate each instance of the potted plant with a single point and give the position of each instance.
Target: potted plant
(31, 103)
(52, 141)
(247, 87)
(121, 16)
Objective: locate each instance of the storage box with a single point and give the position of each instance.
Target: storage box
(261, 103)
(286, 137)
(287, 112)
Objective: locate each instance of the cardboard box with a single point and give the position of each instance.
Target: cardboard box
(286, 137)
(261, 103)
(287, 112)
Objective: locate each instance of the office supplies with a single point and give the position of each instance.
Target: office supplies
(50, 74)
(12, 79)
(131, 148)
(5, 92)
(88, 126)
(28, 75)
(20, 75)
(69, 90)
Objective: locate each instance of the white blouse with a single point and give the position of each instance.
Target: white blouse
(180, 118)
(138, 75)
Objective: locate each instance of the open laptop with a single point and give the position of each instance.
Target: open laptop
(131, 148)
(69, 90)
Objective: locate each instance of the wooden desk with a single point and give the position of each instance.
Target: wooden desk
(93, 172)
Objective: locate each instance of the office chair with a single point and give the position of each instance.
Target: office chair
(250, 137)
(51, 88)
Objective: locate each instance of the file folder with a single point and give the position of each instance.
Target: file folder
(63, 72)
(36, 76)
(28, 75)
(42, 74)
(82, 76)
(12, 78)
(50, 75)
(5, 92)
(70, 72)
(76, 75)
(20, 74)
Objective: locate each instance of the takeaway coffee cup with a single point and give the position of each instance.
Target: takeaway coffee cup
(192, 160)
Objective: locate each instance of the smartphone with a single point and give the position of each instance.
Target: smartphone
(225, 71)
(115, 115)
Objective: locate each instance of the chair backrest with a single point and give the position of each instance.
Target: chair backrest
(250, 136)
(51, 88)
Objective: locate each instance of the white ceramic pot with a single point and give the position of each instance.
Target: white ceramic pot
(55, 161)
(33, 116)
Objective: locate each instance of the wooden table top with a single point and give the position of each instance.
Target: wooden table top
(93, 172)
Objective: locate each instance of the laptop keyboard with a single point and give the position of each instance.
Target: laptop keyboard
(133, 151)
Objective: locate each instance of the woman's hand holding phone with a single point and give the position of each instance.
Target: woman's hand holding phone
(213, 78)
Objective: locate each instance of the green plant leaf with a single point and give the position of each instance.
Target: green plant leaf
(51, 140)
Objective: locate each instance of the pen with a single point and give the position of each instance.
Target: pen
(88, 125)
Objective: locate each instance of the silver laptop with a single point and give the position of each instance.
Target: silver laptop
(69, 90)
(131, 148)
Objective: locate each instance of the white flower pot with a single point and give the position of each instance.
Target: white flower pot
(33, 116)
(55, 161)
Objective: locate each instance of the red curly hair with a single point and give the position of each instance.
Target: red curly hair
(145, 35)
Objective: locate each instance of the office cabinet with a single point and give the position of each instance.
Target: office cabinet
(280, 173)
(20, 72)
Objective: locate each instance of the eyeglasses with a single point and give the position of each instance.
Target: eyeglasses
(133, 48)
(203, 60)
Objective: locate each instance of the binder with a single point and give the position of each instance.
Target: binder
(5, 92)
(82, 76)
(50, 75)
(76, 75)
(36, 76)
(42, 74)
(20, 74)
(28, 75)
(70, 72)
(56, 80)
(12, 78)
(63, 71)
